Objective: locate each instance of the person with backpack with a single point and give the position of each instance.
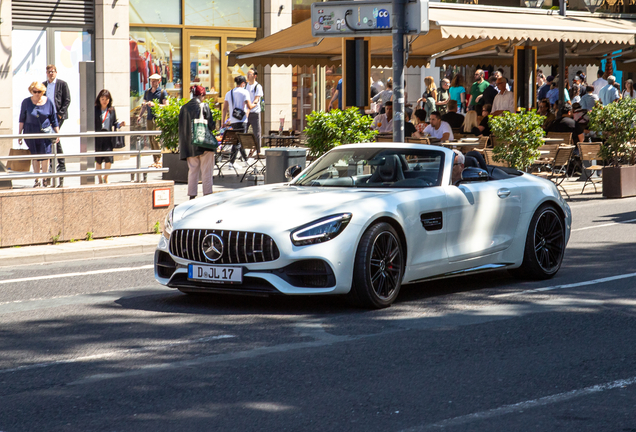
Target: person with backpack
(236, 107)
(254, 117)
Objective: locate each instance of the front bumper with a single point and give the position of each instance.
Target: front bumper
(325, 268)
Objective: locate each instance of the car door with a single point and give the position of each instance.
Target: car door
(482, 218)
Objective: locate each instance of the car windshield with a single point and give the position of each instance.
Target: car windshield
(376, 167)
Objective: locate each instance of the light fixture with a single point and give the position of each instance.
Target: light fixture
(592, 5)
(535, 4)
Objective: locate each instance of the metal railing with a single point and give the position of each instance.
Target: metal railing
(138, 171)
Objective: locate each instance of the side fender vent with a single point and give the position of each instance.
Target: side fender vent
(432, 221)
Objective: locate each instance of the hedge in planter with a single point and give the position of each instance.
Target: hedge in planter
(326, 130)
(518, 137)
(616, 123)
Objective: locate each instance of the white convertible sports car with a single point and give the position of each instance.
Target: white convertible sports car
(363, 220)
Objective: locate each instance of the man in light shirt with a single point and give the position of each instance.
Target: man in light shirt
(384, 122)
(609, 93)
(439, 129)
(505, 100)
(599, 83)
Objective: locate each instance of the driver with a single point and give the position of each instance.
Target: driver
(458, 166)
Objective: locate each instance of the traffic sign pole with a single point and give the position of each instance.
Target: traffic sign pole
(399, 31)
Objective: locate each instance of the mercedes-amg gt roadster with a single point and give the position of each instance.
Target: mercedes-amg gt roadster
(363, 220)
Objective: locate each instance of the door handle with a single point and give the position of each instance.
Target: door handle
(503, 193)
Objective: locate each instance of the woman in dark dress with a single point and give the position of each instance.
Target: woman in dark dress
(105, 121)
(37, 114)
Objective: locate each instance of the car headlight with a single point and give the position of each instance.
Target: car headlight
(167, 226)
(320, 230)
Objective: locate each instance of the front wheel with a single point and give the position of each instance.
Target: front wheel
(378, 269)
(545, 245)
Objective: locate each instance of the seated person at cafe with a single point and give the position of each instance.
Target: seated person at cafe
(544, 110)
(484, 128)
(384, 122)
(471, 121)
(420, 123)
(568, 124)
(439, 129)
(458, 166)
(409, 128)
(505, 100)
(454, 119)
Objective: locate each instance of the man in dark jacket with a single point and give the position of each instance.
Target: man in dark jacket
(200, 160)
(57, 90)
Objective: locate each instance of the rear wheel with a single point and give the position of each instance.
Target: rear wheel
(378, 268)
(545, 245)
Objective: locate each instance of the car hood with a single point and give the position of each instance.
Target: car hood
(282, 206)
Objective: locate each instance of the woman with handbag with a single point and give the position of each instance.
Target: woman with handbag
(38, 115)
(197, 148)
(105, 121)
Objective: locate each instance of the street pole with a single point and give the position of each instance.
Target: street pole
(399, 54)
(563, 78)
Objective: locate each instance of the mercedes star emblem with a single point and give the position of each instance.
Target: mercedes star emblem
(212, 247)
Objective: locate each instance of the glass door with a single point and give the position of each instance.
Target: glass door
(205, 63)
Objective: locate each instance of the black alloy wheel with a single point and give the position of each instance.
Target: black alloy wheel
(545, 245)
(379, 267)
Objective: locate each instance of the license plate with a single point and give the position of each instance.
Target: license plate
(212, 273)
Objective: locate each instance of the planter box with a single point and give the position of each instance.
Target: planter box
(619, 182)
(178, 168)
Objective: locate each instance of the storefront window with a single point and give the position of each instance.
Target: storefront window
(234, 71)
(205, 63)
(154, 51)
(236, 13)
(155, 12)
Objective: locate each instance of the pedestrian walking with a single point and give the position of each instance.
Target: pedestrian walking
(57, 91)
(153, 96)
(236, 108)
(200, 160)
(38, 115)
(105, 121)
(254, 117)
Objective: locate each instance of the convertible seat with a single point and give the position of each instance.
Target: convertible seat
(390, 171)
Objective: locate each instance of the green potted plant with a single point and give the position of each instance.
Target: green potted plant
(518, 137)
(326, 130)
(167, 120)
(616, 123)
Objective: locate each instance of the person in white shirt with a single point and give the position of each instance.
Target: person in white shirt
(438, 128)
(384, 122)
(505, 100)
(254, 117)
(498, 74)
(599, 83)
(238, 98)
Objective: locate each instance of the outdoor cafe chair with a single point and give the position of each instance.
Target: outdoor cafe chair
(384, 137)
(417, 140)
(248, 141)
(489, 157)
(546, 160)
(558, 172)
(224, 151)
(566, 137)
(589, 153)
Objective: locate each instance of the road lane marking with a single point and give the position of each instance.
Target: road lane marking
(604, 225)
(519, 407)
(111, 354)
(87, 273)
(572, 285)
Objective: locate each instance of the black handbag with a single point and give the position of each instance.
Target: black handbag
(119, 142)
(237, 113)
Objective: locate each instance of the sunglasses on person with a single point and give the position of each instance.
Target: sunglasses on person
(37, 91)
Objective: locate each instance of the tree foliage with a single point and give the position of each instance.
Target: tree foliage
(616, 123)
(518, 137)
(326, 130)
(167, 120)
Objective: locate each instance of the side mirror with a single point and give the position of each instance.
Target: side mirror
(472, 174)
(293, 171)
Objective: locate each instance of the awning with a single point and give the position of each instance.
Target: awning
(457, 31)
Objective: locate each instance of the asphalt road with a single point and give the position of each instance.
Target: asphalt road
(98, 345)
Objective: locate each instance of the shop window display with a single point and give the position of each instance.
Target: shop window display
(205, 63)
(154, 51)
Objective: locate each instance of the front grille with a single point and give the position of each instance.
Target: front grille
(239, 247)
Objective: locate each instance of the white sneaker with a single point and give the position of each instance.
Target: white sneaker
(230, 165)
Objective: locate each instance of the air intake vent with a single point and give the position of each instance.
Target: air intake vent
(239, 247)
(79, 13)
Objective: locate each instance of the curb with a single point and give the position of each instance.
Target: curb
(102, 248)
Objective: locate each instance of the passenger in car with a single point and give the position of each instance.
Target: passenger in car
(458, 166)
